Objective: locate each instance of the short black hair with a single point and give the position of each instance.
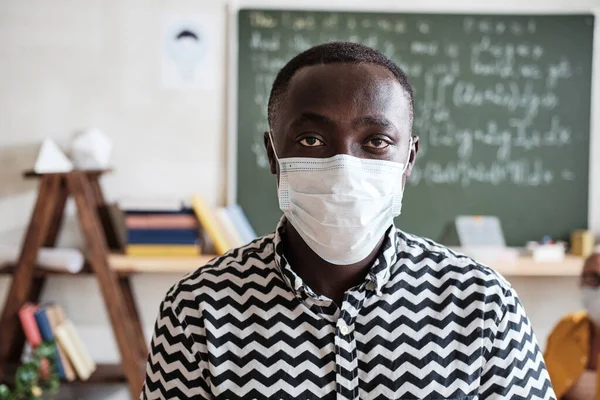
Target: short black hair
(332, 53)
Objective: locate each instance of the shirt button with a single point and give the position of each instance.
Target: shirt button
(569, 382)
(344, 330)
(583, 359)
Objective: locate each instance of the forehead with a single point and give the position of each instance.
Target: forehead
(342, 90)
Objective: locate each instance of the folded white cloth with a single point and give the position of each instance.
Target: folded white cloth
(50, 258)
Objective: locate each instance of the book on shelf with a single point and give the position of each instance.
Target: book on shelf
(161, 221)
(76, 351)
(240, 221)
(211, 225)
(233, 236)
(150, 250)
(56, 317)
(43, 323)
(162, 236)
(32, 332)
(29, 324)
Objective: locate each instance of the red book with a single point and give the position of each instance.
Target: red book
(27, 317)
(32, 332)
(162, 221)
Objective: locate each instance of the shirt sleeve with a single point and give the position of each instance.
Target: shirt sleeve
(173, 370)
(514, 366)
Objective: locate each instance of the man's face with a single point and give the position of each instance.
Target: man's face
(590, 275)
(355, 109)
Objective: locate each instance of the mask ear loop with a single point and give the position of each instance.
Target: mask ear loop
(273, 145)
(410, 145)
(282, 193)
(397, 205)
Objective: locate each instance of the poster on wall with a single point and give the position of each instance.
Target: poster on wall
(188, 54)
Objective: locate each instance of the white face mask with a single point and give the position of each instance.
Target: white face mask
(341, 206)
(591, 302)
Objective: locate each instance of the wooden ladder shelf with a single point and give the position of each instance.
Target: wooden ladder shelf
(26, 286)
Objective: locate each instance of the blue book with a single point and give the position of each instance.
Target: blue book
(162, 236)
(237, 216)
(43, 323)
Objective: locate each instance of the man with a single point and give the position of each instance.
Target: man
(338, 303)
(574, 344)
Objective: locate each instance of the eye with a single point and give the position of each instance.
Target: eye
(311, 141)
(377, 143)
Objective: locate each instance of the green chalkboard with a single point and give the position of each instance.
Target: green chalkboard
(502, 109)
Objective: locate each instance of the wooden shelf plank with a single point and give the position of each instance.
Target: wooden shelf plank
(33, 174)
(126, 265)
(179, 265)
(9, 268)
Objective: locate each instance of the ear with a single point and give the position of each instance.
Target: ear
(414, 149)
(270, 153)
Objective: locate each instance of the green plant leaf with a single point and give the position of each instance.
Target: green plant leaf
(4, 392)
(46, 350)
(28, 375)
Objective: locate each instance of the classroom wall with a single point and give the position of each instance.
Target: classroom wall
(67, 65)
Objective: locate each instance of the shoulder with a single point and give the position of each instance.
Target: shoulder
(444, 262)
(233, 271)
(446, 271)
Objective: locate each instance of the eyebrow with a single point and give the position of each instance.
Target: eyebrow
(367, 121)
(312, 117)
(378, 122)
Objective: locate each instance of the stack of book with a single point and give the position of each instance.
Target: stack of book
(157, 228)
(48, 323)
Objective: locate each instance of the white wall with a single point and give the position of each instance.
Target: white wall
(67, 65)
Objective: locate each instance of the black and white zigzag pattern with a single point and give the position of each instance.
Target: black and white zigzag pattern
(426, 324)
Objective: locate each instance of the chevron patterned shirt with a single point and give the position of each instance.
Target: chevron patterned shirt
(426, 323)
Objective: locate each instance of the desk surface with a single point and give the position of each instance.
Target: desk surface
(124, 265)
(523, 266)
(526, 266)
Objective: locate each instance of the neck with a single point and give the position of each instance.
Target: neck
(322, 277)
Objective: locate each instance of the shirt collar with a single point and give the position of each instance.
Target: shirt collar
(378, 275)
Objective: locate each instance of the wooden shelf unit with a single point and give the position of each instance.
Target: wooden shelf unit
(28, 281)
